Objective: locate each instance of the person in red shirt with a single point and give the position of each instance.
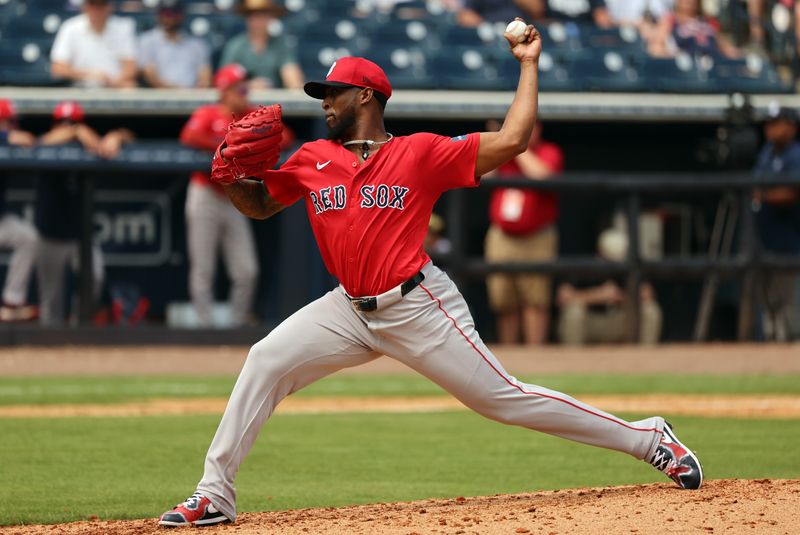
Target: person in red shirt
(369, 197)
(523, 230)
(212, 223)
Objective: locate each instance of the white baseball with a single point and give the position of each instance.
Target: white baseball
(517, 29)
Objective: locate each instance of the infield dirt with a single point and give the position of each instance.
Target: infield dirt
(722, 506)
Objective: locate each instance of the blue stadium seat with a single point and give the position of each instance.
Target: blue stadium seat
(406, 33)
(144, 20)
(25, 62)
(406, 67)
(473, 68)
(32, 26)
(458, 36)
(609, 71)
(560, 36)
(337, 33)
(609, 38)
(679, 75)
(316, 61)
(555, 72)
(750, 75)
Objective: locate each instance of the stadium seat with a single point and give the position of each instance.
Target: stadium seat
(555, 72)
(406, 67)
(458, 36)
(609, 38)
(337, 33)
(679, 75)
(469, 68)
(32, 26)
(559, 36)
(749, 75)
(406, 33)
(609, 70)
(25, 63)
(316, 61)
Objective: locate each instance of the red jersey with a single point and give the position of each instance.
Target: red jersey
(211, 123)
(524, 211)
(370, 219)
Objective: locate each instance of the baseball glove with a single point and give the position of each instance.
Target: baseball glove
(251, 147)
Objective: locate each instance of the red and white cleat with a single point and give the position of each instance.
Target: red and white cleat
(197, 510)
(677, 461)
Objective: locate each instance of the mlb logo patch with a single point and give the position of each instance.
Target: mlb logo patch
(459, 138)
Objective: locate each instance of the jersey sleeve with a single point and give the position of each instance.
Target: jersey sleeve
(447, 162)
(283, 184)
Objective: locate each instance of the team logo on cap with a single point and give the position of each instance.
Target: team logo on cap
(330, 70)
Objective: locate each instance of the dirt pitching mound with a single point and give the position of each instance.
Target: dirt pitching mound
(729, 506)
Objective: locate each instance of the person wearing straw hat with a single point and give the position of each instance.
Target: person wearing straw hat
(268, 58)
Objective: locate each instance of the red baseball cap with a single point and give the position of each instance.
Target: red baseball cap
(352, 72)
(229, 75)
(68, 111)
(7, 110)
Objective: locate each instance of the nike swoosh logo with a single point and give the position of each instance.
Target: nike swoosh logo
(321, 166)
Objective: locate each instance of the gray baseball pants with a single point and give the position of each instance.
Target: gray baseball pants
(431, 331)
(213, 223)
(21, 237)
(52, 259)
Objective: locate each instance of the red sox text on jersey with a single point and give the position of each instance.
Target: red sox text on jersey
(380, 196)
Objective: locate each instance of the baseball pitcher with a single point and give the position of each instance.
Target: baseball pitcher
(369, 197)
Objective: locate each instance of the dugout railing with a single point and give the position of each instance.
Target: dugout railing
(160, 157)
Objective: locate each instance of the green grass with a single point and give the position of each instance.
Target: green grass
(53, 390)
(56, 470)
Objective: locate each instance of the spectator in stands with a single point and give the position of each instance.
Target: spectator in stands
(58, 210)
(474, 12)
(523, 230)
(168, 56)
(268, 59)
(15, 233)
(637, 12)
(96, 48)
(686, 28)
(782, 16)
(212, 222)
(778, 219)
(600, 313)
(579, 11)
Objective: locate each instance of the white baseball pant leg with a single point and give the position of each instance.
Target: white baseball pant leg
(241, 261)
(431, 331)
(213, 222)
(317, 340)
(22, 238)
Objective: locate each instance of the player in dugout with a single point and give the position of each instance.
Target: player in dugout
(369, 197)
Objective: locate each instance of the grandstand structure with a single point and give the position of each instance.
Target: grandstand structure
(419, 45)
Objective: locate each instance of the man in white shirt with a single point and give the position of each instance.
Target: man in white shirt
(635, 12)
(168, 56)
(96, 49)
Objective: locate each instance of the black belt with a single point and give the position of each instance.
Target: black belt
(370, 304)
